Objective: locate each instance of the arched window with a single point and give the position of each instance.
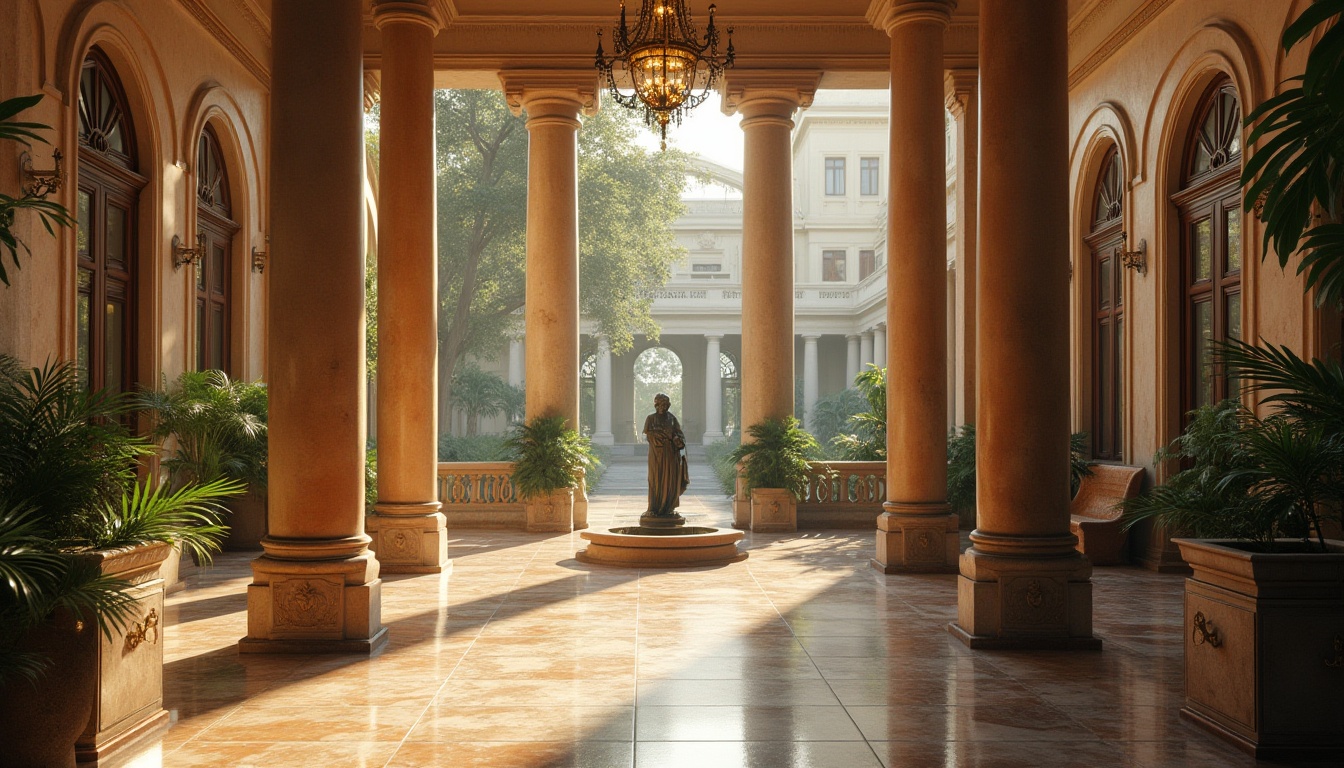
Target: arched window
(214, 221)
(731, 380)
(106, 242)
(1106, 241)
(1210, 209)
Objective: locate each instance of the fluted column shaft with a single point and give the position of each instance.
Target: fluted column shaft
(316, 553)
(963, 101)
(407, 527)
(516, 362)
(916, 531)
(865, 349)
(811, 377)
(880, 346)
(602, 394)
(851, 359)
(713, 390)
(1022, 583)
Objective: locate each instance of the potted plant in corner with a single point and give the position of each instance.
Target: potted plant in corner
(775, 464)
(216, 428)
(550, 460)
(1264, 608)
(81, 541)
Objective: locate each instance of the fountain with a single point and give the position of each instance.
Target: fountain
(662, 539)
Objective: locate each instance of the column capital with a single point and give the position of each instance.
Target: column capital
(810, 336)
(852, 336)
(960, 84)
(887, 15)
(373, 88)
(714, 337)
(433, 14)
(769, 93)
(550, 93)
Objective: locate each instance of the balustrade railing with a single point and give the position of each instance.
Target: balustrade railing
(480, 494)
(843, 494)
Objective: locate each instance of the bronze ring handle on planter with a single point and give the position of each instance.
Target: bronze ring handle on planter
(141, 629)
(1204, 632)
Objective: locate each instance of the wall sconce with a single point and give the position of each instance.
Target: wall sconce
(259, 257)
(42, 183)
(184, 255)
(1135, 260)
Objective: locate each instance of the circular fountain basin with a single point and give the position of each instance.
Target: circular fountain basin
(640, 546)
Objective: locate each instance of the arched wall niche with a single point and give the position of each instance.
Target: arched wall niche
(123, 42)
(1216, 50)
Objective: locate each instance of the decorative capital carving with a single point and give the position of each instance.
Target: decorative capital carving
(426, 13)
(960, 86)
(776, 93)
(373, 88)
(543, 93)
(886, 15)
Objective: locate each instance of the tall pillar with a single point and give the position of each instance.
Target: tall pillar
(552, 100)
(811, 377)
(407, 526)
(880, 345)
(516, 363)
(851, 358)
(1022, 583)
(713, 390)
(963, 101)
(917, 530)
(865, 350)
(767, 101)
(602, 394)
(316, 588)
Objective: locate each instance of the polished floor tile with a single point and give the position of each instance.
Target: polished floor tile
(519, 656)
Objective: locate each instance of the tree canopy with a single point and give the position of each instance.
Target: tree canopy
(628, 199)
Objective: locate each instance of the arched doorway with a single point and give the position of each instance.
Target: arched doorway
(657, 369)
(1106, 241)
(588, 394)
(1209, 205)
(214, 272)
(730, 379)
(106, 239)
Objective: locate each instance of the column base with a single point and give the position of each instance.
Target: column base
(604, 438)
(917, 538)
(1025, 602)
(409, 538)
(314, 606)
(711, 437)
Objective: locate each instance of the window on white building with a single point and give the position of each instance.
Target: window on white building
(833, 266)
(869, 178)
(867, 263)
(835, 176)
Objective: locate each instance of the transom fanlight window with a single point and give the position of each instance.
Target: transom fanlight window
(103, 123)
(1110, 192)
(211, 189)
(1218, 140)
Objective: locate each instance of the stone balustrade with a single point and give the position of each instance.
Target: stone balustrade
(480, 494)
(843, 494)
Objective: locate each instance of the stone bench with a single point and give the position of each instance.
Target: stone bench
(1094, 516)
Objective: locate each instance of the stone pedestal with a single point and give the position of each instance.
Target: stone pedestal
(1024, 602)
(409, 538)
(916, 538)
(314, 606)
(551, 513)
(773, 510)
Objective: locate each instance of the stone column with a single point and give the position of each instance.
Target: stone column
(851, 358)
(917, 530)
(552, 100)
(1022, 583)
(865, 350)
(713, 390)
(767, 101)
(963, 101)
(316, 587)
(602, 394)
(407, 526)
(880, 345)
(516, 362)
(811, 377)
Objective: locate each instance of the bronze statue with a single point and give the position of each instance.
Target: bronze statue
(668, 474)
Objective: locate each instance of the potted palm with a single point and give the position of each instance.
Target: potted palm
(775, 464)
(1264, 608)
(213, 427)
(550, 460)
(81, 541)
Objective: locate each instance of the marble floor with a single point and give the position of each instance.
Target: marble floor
(800, 655)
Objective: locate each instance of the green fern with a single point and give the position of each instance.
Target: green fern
(778, 455)
(548, 456)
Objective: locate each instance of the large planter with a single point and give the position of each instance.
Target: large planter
(553, 512)
(773, 510)
(111, 689)
(246, 520)
(1264, 647)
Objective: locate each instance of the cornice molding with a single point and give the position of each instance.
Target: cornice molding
(1089, 15)
(220, 31)
(886, 15)
(1132, 26)
(256, 18)
(522, 86)
(798, 86)
(960, 84)
(373, 88)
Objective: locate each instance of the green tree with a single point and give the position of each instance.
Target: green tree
(628, 199)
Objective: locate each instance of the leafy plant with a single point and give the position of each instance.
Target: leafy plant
(831, 414)
(480, 393)
(868, 439)
(218, 425)
(961, 482)
(68, 486)
(777, 455)
(548, 456)
(50, 214)
(473, 448)
(1298, 168)
(719, 455)
(370, 479)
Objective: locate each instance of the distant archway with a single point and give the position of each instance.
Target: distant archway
(730, 379)
(657, 369)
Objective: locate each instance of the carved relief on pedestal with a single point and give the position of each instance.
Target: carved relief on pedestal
(1034, 603)
(923, 545)
(307, 607)
(399, 545)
